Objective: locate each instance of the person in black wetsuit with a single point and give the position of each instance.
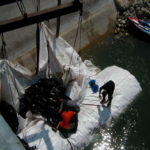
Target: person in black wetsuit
(106, 93)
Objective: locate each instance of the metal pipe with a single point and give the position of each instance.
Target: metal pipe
(5, 2)
(40, 16)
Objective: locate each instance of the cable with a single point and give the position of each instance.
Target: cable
(3, 48)
(10, 88)
(67, 140)
(11, 76)
(79, 22)
(21, 8)
(80, 42)
(36, 4)
(4, 56)
(48, 48)
(37, 47)
(91, 104)
(70, 144)
(58, 20)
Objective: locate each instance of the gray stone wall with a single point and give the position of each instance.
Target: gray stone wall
(98, 16)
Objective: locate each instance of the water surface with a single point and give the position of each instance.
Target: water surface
(132, 130)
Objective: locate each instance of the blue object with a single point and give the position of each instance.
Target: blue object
(94, 86)
(92, 83)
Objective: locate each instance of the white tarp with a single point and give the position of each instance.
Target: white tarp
(56, 55)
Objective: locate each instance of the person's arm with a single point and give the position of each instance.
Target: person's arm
(56, 128)
(61, 107)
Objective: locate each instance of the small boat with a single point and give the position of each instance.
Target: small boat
(142, 25)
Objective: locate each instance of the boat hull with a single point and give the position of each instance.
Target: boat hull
(142, 25)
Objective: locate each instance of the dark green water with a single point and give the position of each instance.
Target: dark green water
(132, 130)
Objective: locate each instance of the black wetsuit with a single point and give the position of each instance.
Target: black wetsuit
(107, 89)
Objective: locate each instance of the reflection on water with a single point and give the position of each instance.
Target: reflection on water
(116, 137)
(131, 131)
(104, 142)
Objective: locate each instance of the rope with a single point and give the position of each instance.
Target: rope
(70, 144)
(48, 47)
(79, 22)
(3, 48)
(68, 140)
(36, 3)
(49, 24)
(4, 56)
(10, 88)
(37, 47)
(11, 76)
(21, 8)
(91, 104)
(14, 81)
(80, 42)
(75, 39)
(58, 20)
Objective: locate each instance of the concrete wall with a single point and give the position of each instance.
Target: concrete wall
(98, 16)
(8, 140)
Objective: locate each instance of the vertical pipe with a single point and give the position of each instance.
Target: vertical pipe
(37, 48)
(58, 21)
(37, 39)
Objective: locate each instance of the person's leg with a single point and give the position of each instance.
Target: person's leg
(103, 96)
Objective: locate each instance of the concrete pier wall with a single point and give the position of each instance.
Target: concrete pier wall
(98, 19)
(8, 140)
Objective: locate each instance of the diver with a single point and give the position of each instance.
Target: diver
(106, 93)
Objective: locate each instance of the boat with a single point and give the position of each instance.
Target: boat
(57, 56)
(142, 25)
